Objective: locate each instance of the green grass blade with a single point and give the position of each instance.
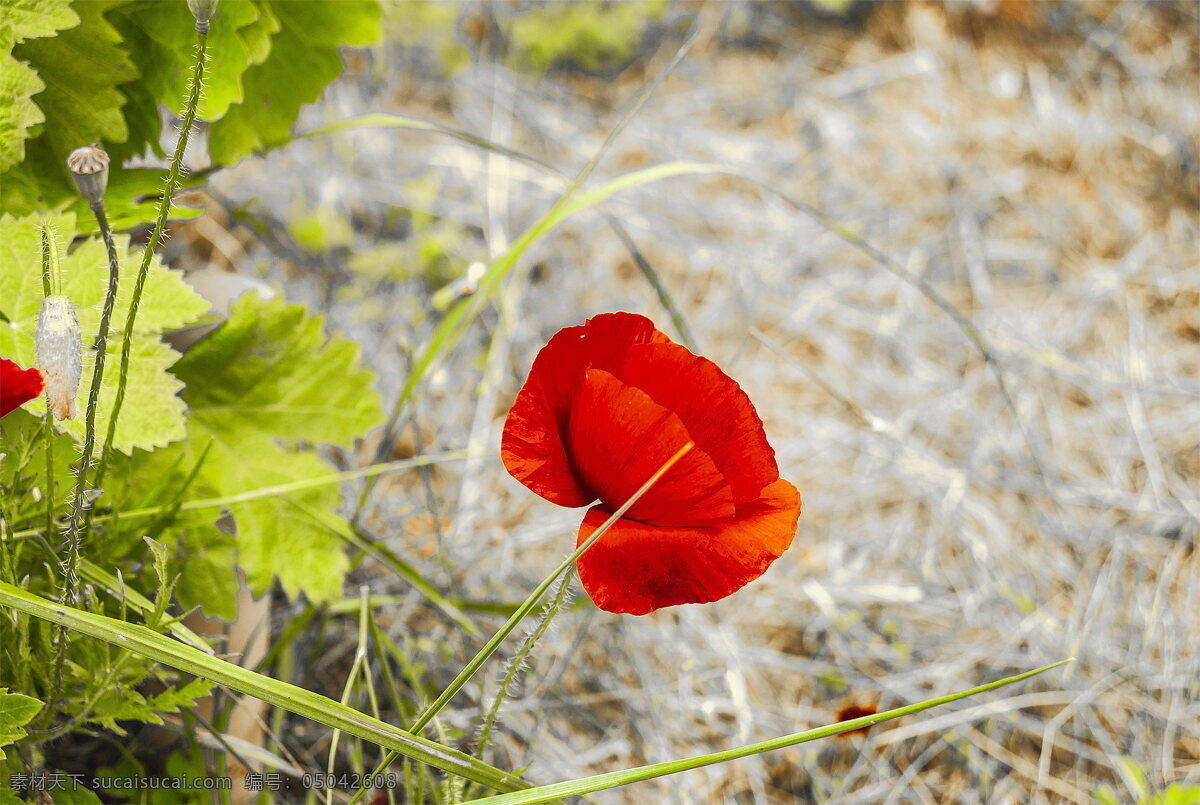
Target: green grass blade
(451, 327)
(613, 779)
(146, 643)
(369, 471)
(98, 575)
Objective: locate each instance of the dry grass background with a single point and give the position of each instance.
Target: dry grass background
(1037, 167)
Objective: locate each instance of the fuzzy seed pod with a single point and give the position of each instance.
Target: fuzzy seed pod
(89, 169)
(202, 10)
(59, 354)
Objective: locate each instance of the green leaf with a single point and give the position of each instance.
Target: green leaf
(132, 199)
(162, 37)
(24, 466)
(267, 378)
(81, 68)
(152, 415)
(21, 20)
(310, 35)
(146, 643)
(18, 83)
(119, 704)
(209, 582)
(16, 710)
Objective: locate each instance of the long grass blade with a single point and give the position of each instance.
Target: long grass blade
(154, 646)
(600, 782)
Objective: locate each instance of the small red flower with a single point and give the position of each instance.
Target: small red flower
(606, 404)
(17, 386)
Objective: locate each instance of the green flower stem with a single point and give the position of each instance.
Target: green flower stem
(164, 209)
(48, 257)
(489, 648)
(613, 779)
(74, 533)
(561, 594)
(48, 260)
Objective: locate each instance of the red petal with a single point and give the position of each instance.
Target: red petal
(637, 568)
(534, 433)
(618, 437)
(17, 386)
(713, 408)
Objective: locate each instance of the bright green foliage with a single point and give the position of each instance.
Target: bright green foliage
(81, 69)
(96, 70)
(152, 415)
(268, 374)
(128, 705)
(162, 37)
(21, 20)
(24, 466)
(16, 711)
(133, 197)
(310, 35)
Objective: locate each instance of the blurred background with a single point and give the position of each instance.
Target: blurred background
(967, 307)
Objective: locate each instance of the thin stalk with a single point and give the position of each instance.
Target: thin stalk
(360, 658)
(561, 594)
(277, 489)
(174, 177)
(74, 533)
(49, 260)
(489, 648)
(48, 257)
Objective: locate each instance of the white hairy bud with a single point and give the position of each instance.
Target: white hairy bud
(59, 354)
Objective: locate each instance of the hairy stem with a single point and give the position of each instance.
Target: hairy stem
(174, 177)
(75, 533)
(511, 674)
(48, 260)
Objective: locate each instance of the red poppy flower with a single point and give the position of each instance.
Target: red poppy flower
(17, 386)
(606, 404)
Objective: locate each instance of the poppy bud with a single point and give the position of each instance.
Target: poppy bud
(89, 169)
(202, 10)
(59, 354)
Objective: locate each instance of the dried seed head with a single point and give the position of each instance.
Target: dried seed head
(89, 168)
(202, 10)
(59, 354)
